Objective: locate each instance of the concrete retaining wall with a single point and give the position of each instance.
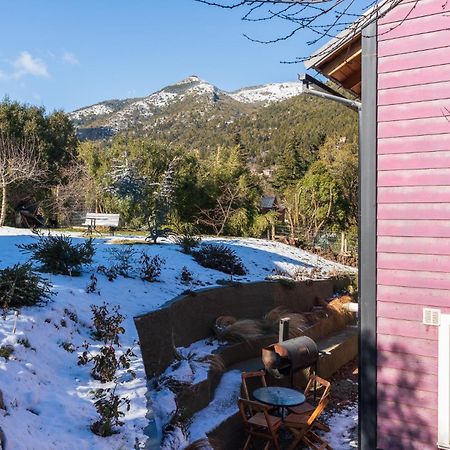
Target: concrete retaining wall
(189, 318)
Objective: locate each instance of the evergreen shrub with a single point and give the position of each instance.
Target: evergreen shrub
(219, 257)
(187, 237)
(59, 255)
(20, 286)
(123, 259)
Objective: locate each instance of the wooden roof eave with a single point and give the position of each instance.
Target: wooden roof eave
(343, 66)
(340, 59)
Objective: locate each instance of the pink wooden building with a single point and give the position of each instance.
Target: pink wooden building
(397, 60)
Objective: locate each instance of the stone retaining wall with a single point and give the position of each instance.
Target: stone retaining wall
(189, 318)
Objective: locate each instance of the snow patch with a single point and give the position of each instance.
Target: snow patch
(223, 406)
(91, 111)
(342, 429)
(268, 93)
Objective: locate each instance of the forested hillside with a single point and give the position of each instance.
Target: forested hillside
(197, 160)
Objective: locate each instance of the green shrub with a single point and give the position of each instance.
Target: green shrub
(151, 267)
(187, 237)
(92, 286)
(186, 276)
(59, 255)
(6, 351)
(187, 242)
(109, 408)
(122, 259)
(108, 328)
(219, 257)
(107, 324)
(24, 342)
(20, 286)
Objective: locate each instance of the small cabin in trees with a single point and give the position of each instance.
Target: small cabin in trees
(396, 58)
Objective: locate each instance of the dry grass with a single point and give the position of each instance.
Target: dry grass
(129, 242)
(328, 316)
(222, 323)
(297, 323)
(201, 444)
(336, 315)
(274, 315)
(336, 308)
(242, 330)
(216, 363)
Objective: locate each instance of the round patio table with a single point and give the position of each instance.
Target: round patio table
(280, 397)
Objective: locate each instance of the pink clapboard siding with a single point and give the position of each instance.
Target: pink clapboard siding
(414, 211)
(414, 144)
(411, 110)
(412, 245)
(421, 228)
(424, 58)
(413, 194)
(393, 296)
(418, 160)
(413, 77)
(408, 346)
(394, 392)
(413, 217)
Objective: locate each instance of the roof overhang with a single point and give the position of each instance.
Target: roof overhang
(340, 59)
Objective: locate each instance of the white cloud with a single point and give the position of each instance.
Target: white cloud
(70, 58)
(26, 64)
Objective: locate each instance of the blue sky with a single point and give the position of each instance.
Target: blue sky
(73, 53)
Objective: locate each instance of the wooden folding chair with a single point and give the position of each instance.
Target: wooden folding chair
(259, 423)
(315, 384)
(301, 426)
(259, 374)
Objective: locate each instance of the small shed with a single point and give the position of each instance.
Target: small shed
(270, 203)
(396, 58)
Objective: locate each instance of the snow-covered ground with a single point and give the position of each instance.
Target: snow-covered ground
(343, 429)
(47, 395)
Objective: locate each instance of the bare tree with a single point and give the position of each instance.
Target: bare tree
(19, 161)
(72, 196)
(307, 212)
(217, 217)
(314, 220)
(322, 19)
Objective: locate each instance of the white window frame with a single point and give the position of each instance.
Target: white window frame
(444, 383)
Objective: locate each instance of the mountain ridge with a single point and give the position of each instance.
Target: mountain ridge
(191, 95)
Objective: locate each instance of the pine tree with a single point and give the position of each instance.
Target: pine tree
(292, 164)
(126, 183)
(163, 197)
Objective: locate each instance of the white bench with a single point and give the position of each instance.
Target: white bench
(94, 220)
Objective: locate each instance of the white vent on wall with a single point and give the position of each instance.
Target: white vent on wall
(431, 316)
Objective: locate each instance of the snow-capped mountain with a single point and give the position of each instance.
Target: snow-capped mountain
(268, 93)
(191, 97)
